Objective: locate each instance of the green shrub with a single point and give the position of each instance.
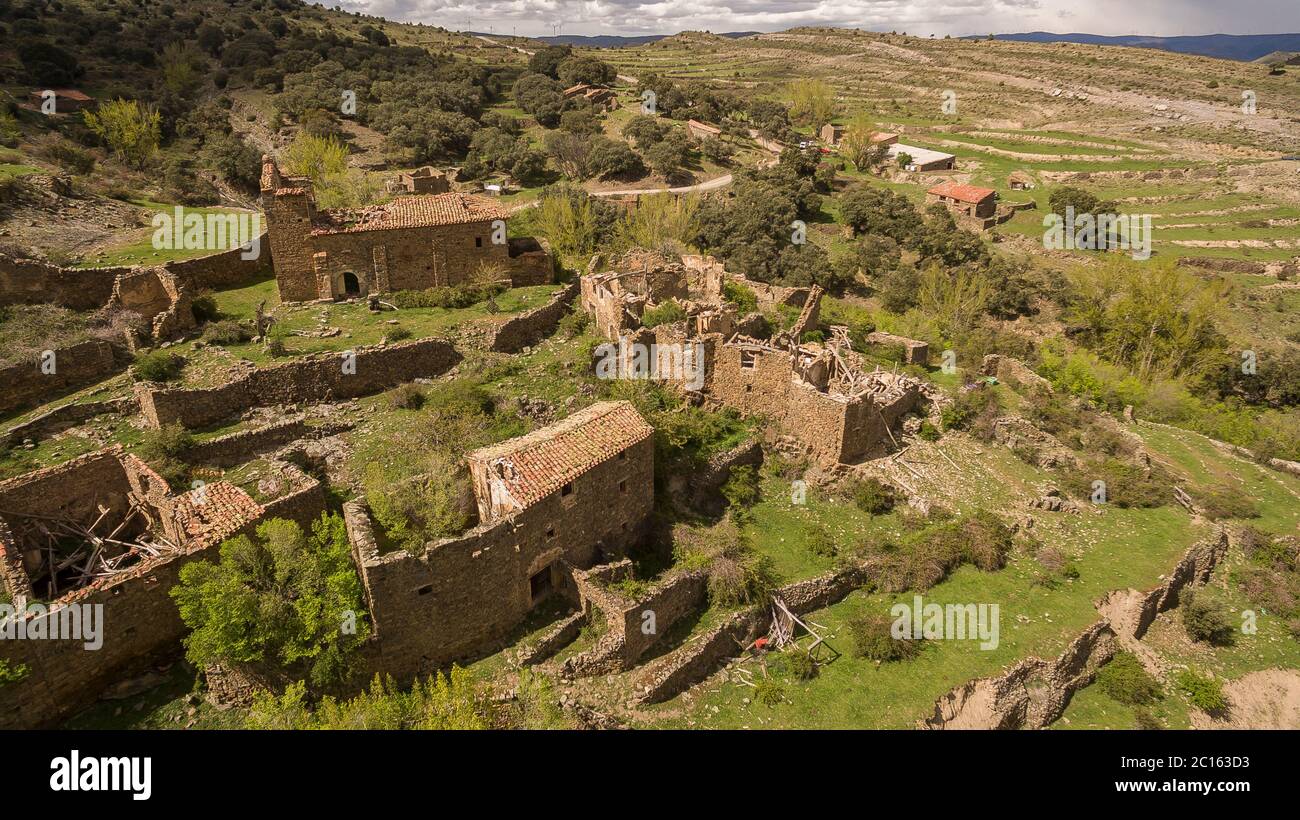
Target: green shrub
(204, 307)
(1218, 503)
(873, 496)
(396, 333)
(973, 410)
(278, 597)
(456, 296)
(1205, 693)
(740, 580)
(769, 691)
(1126, 681)
(664, 314)
(741, 488)
(873, 639)
(11, 674)
(574, 324)
(165, 450)
(1206, 619)
(226, 332)
(928, 432)
(820, 542)
(745, 300)
(406, 397)
(1127, 485)
(157, 366)
(799, 664)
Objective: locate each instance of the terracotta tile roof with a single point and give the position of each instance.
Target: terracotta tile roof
(962, 193)
(704, 126)
(541, 462)
(422, 211)
(214, 512)
(574, 89)
(67, 94)
(882, 137)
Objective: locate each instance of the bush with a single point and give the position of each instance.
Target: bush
(769, 691)
(456, 296)
(974, 410)
(740, 578)
(799, 664)
(1206, 619)
(873, 639)
(226, 332)
(1218, 503)
(406, 397)
(157, 366)
(204, 307)
(873, 496)
(165, 450)
(820, 542)
(396, 333)
(664, 314)
(1205, 692)
(574, 324)
(745, 300)
(928, 432)
(1124, 680)
(741, 488)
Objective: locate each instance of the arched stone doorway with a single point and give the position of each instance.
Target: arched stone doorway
(351, 286)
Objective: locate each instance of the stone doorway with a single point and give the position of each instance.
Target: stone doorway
(351, 286)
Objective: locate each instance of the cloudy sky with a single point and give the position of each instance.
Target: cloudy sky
(923, 17)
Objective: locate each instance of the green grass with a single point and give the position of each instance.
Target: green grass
(141, 251)
(1121, 548)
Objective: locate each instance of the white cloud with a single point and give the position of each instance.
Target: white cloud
(923, 17)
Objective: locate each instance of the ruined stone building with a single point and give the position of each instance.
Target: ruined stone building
(103, 529)
(570, 495)
(412, 242)
(601, 97)
(426, 180)
(821, 394)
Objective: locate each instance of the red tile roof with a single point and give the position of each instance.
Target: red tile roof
(214, 512)
(962, 193)
(541, 462)
(411, 212)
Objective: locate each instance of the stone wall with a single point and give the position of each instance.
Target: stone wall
(227, 269)
(61, 418)
(464, 594)
(31, 282)
(532, 326)
(696, 660)
(159, 297)
(531, 262)
(314, 378)
(912, 350)
(27, 385)
(1034, 693)
(139, 619)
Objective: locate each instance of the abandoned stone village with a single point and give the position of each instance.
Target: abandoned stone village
(557, 509)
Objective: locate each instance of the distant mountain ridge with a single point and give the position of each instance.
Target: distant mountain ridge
(1242, 47)
(616, 40)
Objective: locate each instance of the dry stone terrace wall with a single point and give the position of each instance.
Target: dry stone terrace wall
(31, 282)
(464, 594)
(60, 418)
(27, 384)
(314, 378)
(695, 661)
(530, 327)
(1035, 692)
